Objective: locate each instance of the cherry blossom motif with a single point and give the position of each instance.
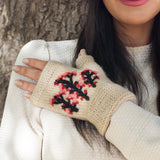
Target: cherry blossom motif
(67, 84)
(89, 76)
(74, 97)
(73, 90)
(63, 89)
(67, 74)
(80, 84)
(66, 104)
(55, 97)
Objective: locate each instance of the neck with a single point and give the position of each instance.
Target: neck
(134, 35)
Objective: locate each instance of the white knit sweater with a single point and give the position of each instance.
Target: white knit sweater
(31, 133)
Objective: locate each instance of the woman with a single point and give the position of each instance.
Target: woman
(123, 37)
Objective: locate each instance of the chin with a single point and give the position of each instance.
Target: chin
(136, 20)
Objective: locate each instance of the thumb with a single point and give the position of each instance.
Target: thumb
(83, 59)
(87, 61)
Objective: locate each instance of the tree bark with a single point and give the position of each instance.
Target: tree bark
(25, 20)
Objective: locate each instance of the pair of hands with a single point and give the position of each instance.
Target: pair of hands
(32, 73)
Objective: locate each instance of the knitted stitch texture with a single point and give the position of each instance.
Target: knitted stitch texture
(99, 99)
(28, 132)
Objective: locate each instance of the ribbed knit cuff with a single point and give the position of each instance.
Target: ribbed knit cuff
(105, 102)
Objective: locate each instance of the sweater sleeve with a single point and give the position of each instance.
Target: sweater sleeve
(135, 132)
(21, 132)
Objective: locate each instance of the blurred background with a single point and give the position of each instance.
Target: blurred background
(25, 20)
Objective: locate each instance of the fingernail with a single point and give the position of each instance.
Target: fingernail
(25, 60)
(17, 82)
(15, 68)
(27, 95)
(82, 52)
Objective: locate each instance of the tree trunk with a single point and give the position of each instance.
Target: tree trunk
(24, 20)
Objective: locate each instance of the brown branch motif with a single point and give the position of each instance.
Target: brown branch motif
(73, 89)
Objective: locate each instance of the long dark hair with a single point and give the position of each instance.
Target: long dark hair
(100, 39)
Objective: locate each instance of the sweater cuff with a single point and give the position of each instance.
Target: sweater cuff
(134, 131)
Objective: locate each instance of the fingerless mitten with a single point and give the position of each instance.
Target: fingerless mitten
(84, 92)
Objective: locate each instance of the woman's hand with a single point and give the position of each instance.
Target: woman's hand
(32, 73)
(84, 92)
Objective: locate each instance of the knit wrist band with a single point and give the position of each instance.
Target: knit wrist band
(105, 103)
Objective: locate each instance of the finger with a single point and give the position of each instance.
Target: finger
(35, 63)
(82, 52)
(83, 59)
(33, 74)
(28, 95)
(27, 86)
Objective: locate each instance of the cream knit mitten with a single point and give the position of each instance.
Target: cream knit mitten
(83, 93)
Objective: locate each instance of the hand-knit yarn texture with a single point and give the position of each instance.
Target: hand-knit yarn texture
(28, 132)
(103, 100)
(141, 57)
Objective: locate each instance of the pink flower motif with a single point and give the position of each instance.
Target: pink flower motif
(96, 76)
(74, 101)
(78, 85)
(51, 102)
(73, 96)
(61, 87)
(85, 91)
(95, 82)
(96, 72)
(81, 77)
(54, 99)
(63, 90)
(81, 84)
(90, 85)
(69, 111)
(74, 73)
(82, 98)
(59, 77)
